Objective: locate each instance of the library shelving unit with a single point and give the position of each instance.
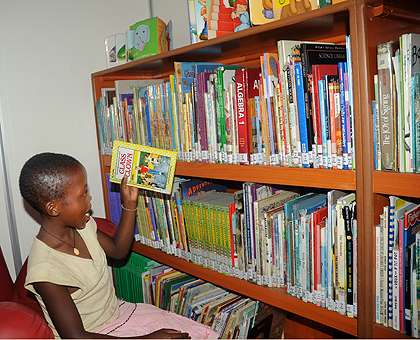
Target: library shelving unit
(368, 23)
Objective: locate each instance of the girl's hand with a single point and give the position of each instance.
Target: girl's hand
(166, 333)
(129, 194)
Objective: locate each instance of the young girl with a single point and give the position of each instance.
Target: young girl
(67, 268)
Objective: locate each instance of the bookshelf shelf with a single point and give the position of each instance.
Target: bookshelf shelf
(315, 178)
(382, 332)
(399, 184)
(368, 22)
(273, 296)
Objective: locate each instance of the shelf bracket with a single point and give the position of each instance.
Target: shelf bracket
(397, 14)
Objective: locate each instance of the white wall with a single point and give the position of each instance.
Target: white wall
(177, 11)
(48, 50)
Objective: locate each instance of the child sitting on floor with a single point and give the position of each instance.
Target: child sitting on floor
(67, 267)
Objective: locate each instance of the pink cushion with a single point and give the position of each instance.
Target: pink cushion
(20, 322)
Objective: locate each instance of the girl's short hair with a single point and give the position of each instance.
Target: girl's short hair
(44, 177)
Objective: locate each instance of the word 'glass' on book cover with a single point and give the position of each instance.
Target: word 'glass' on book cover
(146, 167)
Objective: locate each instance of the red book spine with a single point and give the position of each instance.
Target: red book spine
(246, 87)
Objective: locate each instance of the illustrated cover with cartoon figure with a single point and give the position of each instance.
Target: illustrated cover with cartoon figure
(147, 168)
(263, 11)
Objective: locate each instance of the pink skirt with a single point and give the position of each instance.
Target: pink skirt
(138, 319)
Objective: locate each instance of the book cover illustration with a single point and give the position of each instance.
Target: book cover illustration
(226, 16)
(147, 168)
(263, 11)
(201, 19)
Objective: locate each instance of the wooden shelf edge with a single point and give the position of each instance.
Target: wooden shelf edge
(400, 184)
(315, 178)
(272, 296)
(382, 332)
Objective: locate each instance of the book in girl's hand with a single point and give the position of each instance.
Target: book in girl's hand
(147, 168)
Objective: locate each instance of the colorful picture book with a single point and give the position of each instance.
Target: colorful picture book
(146, 168)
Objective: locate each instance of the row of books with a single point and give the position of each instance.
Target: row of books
(273, 237)
(396, 108)
(140, 279)
(295, 110)
(398, 266)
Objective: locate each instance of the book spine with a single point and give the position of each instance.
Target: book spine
(391, 242)
(333, 93)
(401, 275)
(221, 137)
(341, 262)
(386, 105)
(302, 114)
(395, 288)
(249, 248)
(377, 272)
(323, 115)
(268, 110)
(202, 79)
(384, 262)
(242, 115)
(349, 259)
(416, 120)
(323, 264)
(344, 137)
(294, 139)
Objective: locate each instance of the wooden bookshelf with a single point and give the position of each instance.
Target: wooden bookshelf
(272, 296)
(368, 22)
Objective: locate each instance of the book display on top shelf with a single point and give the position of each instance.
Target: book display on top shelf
(226, 16)
(146, 168)
(264, 11)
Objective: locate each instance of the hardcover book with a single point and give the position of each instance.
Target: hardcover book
(386, 104)
(409, 44)
(146, 168)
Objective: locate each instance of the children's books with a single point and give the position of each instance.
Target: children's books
(146, 167)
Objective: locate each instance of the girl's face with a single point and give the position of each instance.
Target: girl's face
(75, 205)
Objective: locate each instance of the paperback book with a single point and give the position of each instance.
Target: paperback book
(146, 167)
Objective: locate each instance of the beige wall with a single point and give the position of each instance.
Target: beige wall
(48, 49)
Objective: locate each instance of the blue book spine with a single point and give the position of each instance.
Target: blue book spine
(300, 93)
(341, 70)
(391, 242)
(149, 124)
(323, 109)
(375, 138)
(99, 120)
